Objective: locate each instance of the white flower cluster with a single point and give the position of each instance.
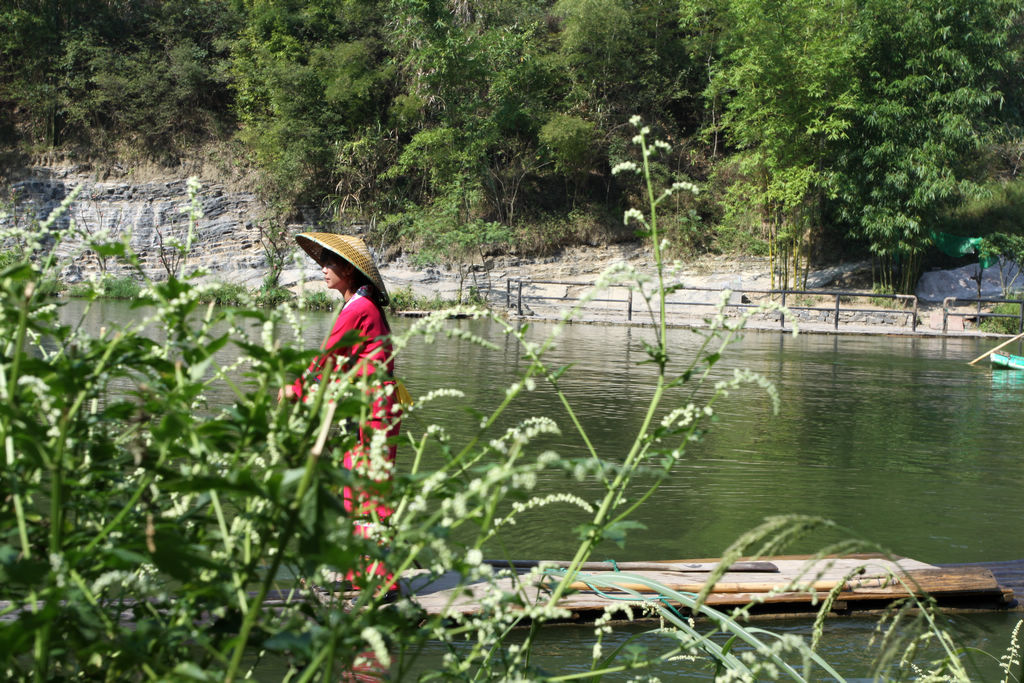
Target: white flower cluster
(517, 437)
(616, 274)
(539, 502)
(438, 433)
(376, 642)
(515, 388)
(59, 568)
(140, 580)
(421, 401)
(684, 417)
(581, 469)
(45, 408)
(602, 625)
(624, 166)
(373, 463)
(742, 376)
(465, 335)
(764, 659)
(1010, 661)
(682, 185)
(487, 629)
(634, 215)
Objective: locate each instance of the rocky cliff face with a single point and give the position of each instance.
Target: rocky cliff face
(153, 216)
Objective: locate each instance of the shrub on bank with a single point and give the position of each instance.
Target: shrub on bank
(120, 288)
(47, 285)
(9, 257)
(50, 286)
(106, 288)
(404, 299)
(1002, 325)
(226, 294)
(318, 301)
(222, 294)
(271, 295)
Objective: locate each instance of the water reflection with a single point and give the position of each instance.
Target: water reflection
(1010, 380)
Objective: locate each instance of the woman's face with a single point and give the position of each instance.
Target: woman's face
(338, 274)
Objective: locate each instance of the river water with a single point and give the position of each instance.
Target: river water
(896, 438)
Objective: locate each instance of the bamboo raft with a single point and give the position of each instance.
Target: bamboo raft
(795, 585)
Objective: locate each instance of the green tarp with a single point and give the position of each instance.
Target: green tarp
(955, 245)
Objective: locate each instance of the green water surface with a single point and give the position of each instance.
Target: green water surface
(896, 438)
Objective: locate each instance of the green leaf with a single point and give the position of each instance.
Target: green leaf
(176, 556)
(559, 372)
(14, 569)
(292, 642)
(190, 671)
(617, 531)
(129, 558)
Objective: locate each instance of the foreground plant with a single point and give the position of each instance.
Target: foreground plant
(149, 534)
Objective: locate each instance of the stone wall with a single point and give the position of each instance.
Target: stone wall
(226, 241)
(872, 318)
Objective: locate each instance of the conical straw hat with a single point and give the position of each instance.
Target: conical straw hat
(350, 248)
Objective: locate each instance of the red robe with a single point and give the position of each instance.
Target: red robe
(369, 357)
(362, 315)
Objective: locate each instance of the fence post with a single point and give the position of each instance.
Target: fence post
(508, 293)
(913, 325)
(519, 304)
(1020, 327)
(782, 316)
(836, 326)
(629, 307)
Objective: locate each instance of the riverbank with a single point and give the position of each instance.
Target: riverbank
(837, 300)
(546, 288)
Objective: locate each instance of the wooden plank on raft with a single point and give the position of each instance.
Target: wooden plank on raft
(799, 584)
(741, 566)
(888, 586)
(813, 573)
(978, 586)
(948, 581)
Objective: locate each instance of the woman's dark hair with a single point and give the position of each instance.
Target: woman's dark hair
(359, 280)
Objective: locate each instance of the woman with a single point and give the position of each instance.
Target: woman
(349, 269)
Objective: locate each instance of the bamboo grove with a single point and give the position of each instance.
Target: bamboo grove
(814, 128)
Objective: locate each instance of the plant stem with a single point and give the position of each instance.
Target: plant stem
(622, 477)
(293, 515)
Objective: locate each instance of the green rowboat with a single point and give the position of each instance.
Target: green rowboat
(1007, 361)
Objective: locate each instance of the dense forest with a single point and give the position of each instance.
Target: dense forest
(814, 128)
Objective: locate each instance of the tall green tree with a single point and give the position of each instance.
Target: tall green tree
(930, 97)
(784, 71)
(307, 77)
(28, 48)
(622, 58)
(570, 141)
(475, 89)
(148, 76)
